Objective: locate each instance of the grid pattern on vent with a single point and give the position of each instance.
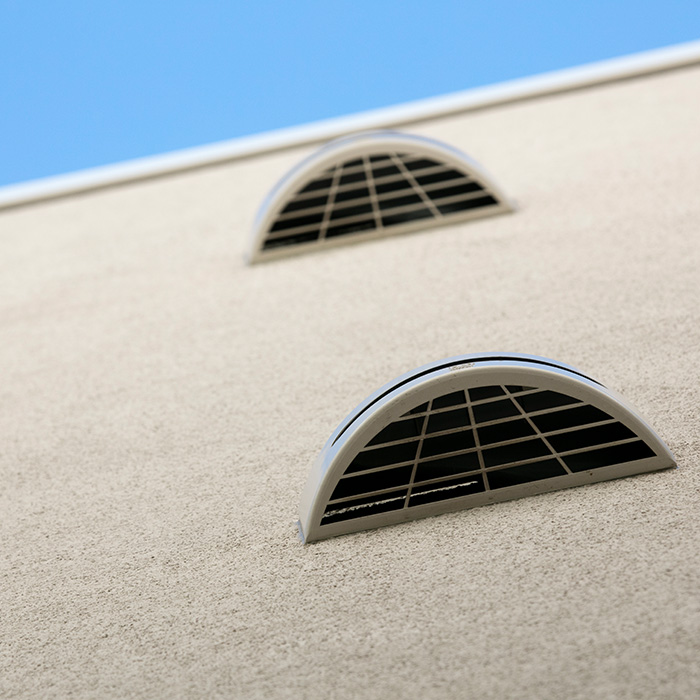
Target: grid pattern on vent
(477, 440)
(374, 192)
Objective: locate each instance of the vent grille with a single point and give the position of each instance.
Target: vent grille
(375, 192)
(481, 439)
(376, 184)
(468, 431)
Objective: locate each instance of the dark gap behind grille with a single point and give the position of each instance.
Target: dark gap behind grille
(569, 418)
(466, 204)
(494, 410)
(394, 219)
(403, 201)
(443, 444)
(448, 466)
(343, 212)
(420, 164)
(347, 195)
(399, 430)
(518, 452)
(511, 476)
(314, 185)
(501, 432)
(479, 393)
(308, 203)
(607, 456)
(543, 400)
(386, 187)
(383, 456)
(308, 220)
(355, 227)
(349, 178)
(440, 176)
(576, 439)
(466, 188)
(357, 485)
(385, 171)
(448, 420)
(291, 240)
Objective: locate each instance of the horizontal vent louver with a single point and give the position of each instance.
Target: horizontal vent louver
(483, 443)
(396, 183)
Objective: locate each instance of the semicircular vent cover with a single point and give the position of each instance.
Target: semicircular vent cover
(371, 185)
(468, 431)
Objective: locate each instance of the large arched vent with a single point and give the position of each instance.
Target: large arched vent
(371, 185)
(469, 431)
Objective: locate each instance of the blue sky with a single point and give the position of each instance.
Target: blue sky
(91, 83)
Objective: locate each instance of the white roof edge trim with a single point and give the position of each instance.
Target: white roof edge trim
(620, 68)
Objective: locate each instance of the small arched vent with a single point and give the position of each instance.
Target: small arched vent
(469, 431)
(368, 186)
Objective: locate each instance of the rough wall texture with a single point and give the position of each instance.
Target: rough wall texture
(162, 404)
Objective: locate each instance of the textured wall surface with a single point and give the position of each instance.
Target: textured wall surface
(162, 404)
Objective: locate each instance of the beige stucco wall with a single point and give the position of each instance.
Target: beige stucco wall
(162, 404)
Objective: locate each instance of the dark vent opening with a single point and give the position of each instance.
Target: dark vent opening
(343, 212)
(349, 178)
(382, 456)
(291, 240)
(448, 466)
(453, 442)
(441, 176)
(448, 420)
(349, 195)
(535, 471)
(501, 432)
(518, 389)
(494, 410)
(579, 415)
(607, 456)
(400, 430)
(323, 183)
(480, 393)
(443, 192)
(518, 452)
(600, 435)
(543, 400)
(345, 229)
(395, 202)
(376, 481)
(395, 185)
(466, 204)
(407, 216)
(306, 203)
(420, 164)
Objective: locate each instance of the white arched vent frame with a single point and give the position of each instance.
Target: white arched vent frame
(400, 396)
(363, 146)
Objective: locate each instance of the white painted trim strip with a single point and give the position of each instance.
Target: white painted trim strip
(477, 98)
